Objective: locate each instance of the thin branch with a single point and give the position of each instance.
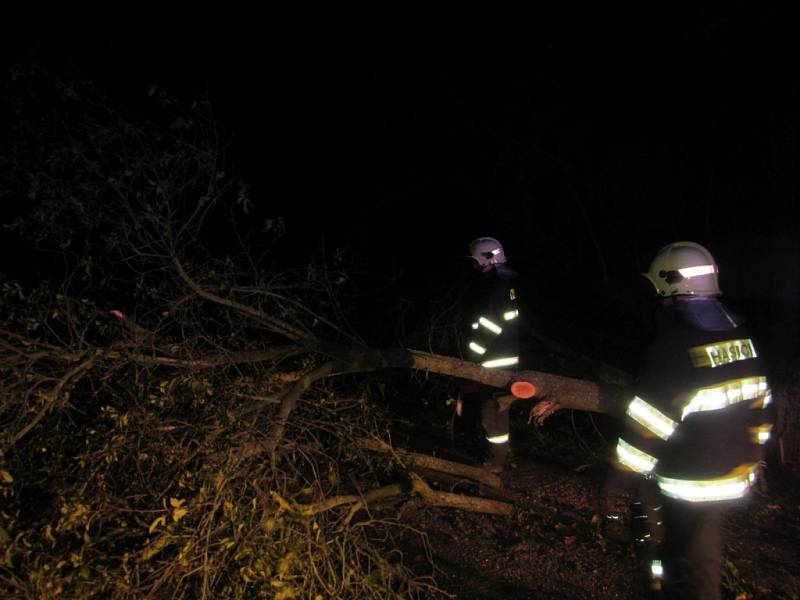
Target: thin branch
(418, 485)
(225, 359)
(423, 461)
(274, 324)
(54, 394)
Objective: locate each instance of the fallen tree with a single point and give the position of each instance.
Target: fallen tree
(65, 360)
(174, 418)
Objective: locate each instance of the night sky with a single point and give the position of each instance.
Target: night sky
(582, 140)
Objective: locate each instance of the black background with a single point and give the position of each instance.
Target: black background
(584, 140)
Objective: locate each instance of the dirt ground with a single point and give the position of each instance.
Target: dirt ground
(555, 545)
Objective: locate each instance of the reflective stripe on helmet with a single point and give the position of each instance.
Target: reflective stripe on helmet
(498, 439)
(726, 394)
(491, 326)
(697, 271)
(722, 353)
(635, 459)
(475, 347)
(510, 314)
(487, 251)
(651, 418)
(501, 362)
(709, 490)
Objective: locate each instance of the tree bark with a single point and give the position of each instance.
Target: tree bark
(566, 392)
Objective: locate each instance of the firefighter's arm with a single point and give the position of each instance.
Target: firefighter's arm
(638, 448)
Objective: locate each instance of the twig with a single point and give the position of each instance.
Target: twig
(274, 324)
(226, 359)
(54, 395)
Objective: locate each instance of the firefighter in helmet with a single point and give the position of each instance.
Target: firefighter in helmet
(492, 340)
(696, 427)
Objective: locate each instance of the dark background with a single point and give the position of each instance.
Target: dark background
(583, 140)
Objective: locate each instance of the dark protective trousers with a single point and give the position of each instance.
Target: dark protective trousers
(692, 550)
(686, 537)
(495, 421)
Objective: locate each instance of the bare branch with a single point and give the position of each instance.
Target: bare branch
(272, 323)
(418, 485)
(54, 395)
(423, 461)
(219, 360)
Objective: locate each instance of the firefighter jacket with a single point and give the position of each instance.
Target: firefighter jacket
(703, 408)
(493, 337)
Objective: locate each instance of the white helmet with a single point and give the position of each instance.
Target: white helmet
(487, 252)
(684, 268)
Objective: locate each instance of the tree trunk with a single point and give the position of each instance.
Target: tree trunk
(566, 392)
(555, 392)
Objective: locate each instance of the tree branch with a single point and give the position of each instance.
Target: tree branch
(218, 360)
(423, 461)
(557, 391)
(418, 485)
(272, 323)
(54, 395)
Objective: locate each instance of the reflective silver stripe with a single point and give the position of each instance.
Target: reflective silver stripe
(501, 362)
(498, 439)
(475, 325)
(657, 569)
(493, 327)
(761, 434)
(477, 348)
(510, 314)
(651, 418)
(632, 457)
(722, 353)
(726, 394)
(709, 490)
(689, 272)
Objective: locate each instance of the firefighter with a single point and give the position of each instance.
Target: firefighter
(493, 341)
(696, 427)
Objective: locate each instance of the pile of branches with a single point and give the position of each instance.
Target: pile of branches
(127, 479)
(146, 388)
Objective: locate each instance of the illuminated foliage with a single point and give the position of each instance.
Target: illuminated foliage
(141, 383)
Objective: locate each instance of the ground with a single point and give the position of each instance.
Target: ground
(555, 547)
